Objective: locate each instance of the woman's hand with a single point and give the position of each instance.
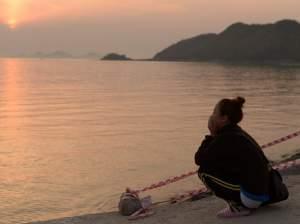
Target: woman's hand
(212, 126)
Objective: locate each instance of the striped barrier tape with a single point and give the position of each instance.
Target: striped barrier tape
(189, 194)
(283, 139)
(287, 165)
(185, 175)
(202, 192)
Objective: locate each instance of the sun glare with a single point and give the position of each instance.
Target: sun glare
(13, 12)
(12, 24)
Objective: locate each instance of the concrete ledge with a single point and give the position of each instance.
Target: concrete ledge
(204, 211)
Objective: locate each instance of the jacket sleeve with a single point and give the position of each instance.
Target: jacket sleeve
(203, 148)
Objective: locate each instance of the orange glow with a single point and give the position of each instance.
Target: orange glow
(15, 13)
(12, 24)
(18, 12)
(12, 12)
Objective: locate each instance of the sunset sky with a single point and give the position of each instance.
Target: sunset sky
(138, 28)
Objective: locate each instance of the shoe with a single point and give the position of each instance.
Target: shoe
(230, 212)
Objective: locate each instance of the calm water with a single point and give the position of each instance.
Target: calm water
(75, 133)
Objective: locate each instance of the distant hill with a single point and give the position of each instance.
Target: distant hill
(55, 54)
(240, 42)
(116, 57)
(92, 55)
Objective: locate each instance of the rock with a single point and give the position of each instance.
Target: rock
(117, 57)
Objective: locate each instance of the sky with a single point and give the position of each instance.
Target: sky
(137, 28)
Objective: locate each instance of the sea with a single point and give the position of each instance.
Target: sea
(75, 133)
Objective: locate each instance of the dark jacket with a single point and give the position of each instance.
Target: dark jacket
(235, 157)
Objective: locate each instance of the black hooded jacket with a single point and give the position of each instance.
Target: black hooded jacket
(235, 157)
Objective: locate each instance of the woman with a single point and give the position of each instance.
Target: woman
(231, 163)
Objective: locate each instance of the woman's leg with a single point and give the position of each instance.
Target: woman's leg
(229, 192)
(221, 188)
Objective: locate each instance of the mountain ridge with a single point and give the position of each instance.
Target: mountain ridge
(240, 42)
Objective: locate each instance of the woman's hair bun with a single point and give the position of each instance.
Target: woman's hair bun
(240, 101)
(232, 108)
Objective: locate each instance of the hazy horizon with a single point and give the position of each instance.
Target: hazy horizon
(137, 28)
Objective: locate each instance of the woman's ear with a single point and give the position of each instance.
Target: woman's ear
(224, 119)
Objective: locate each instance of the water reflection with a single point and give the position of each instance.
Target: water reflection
(11, 96)
(13, 177)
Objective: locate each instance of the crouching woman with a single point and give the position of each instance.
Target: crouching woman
(231, 163)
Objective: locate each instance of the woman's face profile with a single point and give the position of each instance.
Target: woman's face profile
(217, 120)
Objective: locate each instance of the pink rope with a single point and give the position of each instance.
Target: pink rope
(280, 167)
(283, 139)
(145, 212)
(185, 175)
(289, 164)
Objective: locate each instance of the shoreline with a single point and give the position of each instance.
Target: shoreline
(204, 210)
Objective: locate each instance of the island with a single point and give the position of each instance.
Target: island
(279, 41)
(116, 57)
